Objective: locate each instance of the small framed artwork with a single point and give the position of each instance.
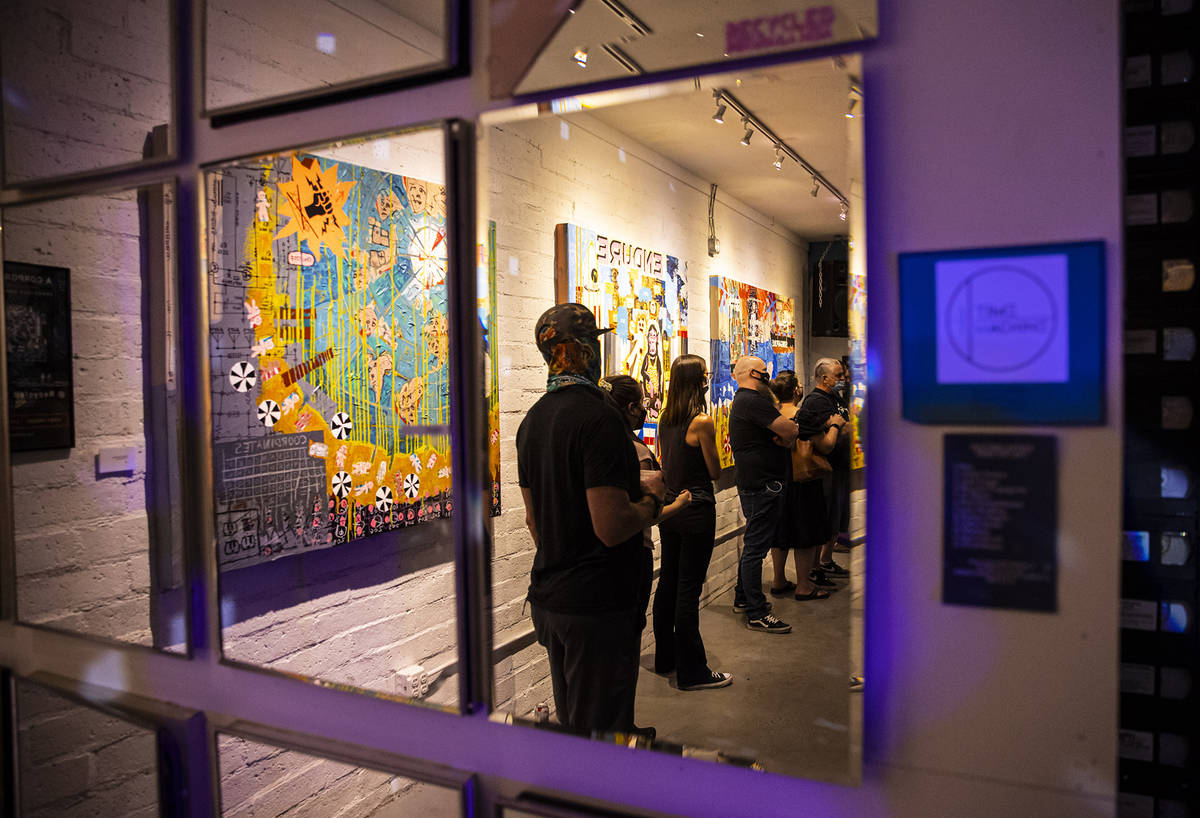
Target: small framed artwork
(37, 320)
(1004, 335)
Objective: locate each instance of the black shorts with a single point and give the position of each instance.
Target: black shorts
(837, 501)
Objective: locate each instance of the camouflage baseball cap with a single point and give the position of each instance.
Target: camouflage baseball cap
(563, 322)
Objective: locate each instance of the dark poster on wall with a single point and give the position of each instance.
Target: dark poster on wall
(37, 320)
(1000, 528)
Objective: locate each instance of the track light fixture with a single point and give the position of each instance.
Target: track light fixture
(850, 108)
(845, 210)
(816, 188)
(719, 116)
(778, 163)
(580, 57)
(749, 132)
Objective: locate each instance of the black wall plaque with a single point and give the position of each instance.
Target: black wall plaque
(1000, 531)
(37, 320)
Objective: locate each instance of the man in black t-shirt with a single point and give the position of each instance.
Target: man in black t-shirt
(761, 438)
(586, 509)
(823, 401)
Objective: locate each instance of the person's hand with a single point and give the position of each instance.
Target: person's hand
(652, 483)
(837, 420)
(683, 499)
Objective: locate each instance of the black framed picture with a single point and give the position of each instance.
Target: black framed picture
(37, 320)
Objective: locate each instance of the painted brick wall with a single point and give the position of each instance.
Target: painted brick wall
(76, 762)
(262, 781)
(543, 172)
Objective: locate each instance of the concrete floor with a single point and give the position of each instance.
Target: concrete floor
(789, 708)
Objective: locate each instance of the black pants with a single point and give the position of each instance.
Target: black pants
(687, 547)
(593, 666)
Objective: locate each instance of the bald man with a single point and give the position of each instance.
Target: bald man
(761, 438)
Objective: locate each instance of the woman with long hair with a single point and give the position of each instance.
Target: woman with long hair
(687, 438)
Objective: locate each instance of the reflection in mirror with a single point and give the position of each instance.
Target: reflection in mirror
(643, 206)
(603, 40)
(73, 760)
(90, 325)
(330, 355)
(84, 82)
(259, 51)
(261, 779)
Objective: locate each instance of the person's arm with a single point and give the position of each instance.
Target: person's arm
(527, 496)
(785, 430)
(681, 501)
(704, 430)
(615, 518)
(826, 442)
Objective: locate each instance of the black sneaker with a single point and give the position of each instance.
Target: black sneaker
(819, 579)
(768, 623)
(834, 570)
(714, 680)
(739, 607)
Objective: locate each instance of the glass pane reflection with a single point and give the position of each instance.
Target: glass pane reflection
(84, 84)
(314, 44)
(75, 761)
(95, 513)
(261, 779)
(330, 394)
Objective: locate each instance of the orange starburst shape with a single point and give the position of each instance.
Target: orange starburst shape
(313, 200)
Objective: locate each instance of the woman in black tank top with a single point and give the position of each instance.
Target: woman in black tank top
(687, 440)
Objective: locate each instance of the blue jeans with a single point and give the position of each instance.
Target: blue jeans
(763, 511)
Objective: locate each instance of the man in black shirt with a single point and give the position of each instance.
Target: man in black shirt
(824, 403)
(586, 509)
(761, 438)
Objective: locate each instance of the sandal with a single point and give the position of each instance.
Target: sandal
(815, 593)
(788, 587)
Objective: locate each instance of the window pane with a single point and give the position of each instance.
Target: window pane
(330, 392)
(76, 761)
(257, 51)
(261, 779)
(84, 84)
(92, 405)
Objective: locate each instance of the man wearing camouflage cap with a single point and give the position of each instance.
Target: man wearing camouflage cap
(586, 504)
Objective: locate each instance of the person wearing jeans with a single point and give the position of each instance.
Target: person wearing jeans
(760, 438)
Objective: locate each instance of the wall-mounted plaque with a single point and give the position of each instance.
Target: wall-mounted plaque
(999, 533)
(37, 319)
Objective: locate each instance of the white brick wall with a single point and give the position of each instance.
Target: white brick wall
(535, 178)
(79, 762)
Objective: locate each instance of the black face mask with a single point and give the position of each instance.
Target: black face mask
(761, 377)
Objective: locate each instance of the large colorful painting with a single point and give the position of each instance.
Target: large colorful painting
(638, 292)
(330, 354)
(745, 320)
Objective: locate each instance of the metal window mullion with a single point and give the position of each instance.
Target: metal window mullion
(469, 434)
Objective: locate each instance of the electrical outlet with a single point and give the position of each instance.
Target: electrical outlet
(411, 681)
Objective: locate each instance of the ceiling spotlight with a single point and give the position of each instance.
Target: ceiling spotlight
(816, 188)
(850, 108)
(778, 163)
(749, 132)
(719, 116)
(845, 210)
(580, 57)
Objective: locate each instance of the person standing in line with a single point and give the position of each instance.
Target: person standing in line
(687, 437)
(629, 399)
(586, 508)
(824, 404)
(760, 438)
(805, 526)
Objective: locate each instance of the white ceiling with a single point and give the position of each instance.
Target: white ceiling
(804, 104)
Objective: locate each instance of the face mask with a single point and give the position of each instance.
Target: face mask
(761, 377)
